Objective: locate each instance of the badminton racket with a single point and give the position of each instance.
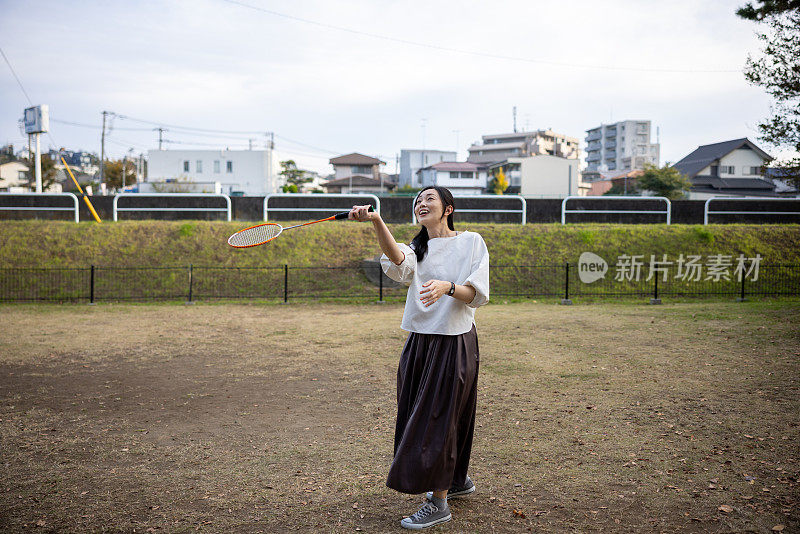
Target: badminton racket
(266, 232)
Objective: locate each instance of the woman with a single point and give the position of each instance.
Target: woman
(448, 277)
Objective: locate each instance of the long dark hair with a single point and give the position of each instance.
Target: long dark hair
(420, 241)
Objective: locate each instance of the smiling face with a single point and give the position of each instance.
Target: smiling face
(429, 208)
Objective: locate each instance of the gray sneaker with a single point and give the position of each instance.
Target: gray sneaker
(427, 516)
(455, 493)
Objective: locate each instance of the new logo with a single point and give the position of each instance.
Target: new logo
(591, 267)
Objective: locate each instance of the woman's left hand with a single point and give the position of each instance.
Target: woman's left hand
(432, 290)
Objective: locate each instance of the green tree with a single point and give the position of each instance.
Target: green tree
(49, 172)
(666, 181)
(113, 173)
(629, 189)
(499, 183)
(767, 9)
(293, 177)
(778, 72)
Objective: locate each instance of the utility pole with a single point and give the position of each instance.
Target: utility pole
(141, 166)
(514, 112)
(160, 136)
(103, 150)
(38, 163)
(271, 186)
(133, 160)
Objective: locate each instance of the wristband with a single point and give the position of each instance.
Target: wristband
(452, 289)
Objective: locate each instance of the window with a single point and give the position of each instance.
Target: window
(468, 175)
(216, 166)
(228, 166)
(755, 170)
(363, 169)
(453, 175)
(21, 175)
(185, 166)
(199, 166)
(726, 169)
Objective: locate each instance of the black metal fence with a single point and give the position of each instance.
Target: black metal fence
(286, 283)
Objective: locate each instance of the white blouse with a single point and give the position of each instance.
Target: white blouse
(463, 259)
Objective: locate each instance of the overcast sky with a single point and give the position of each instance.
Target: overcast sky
(438, 73)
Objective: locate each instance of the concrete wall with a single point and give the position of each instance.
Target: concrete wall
(549, 176)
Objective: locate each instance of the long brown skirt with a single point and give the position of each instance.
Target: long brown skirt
(437, 389)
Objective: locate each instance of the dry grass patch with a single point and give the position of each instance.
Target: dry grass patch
(272, 418)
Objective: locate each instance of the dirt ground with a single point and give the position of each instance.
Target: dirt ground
(269, 418)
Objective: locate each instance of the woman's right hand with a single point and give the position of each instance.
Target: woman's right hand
(361, 213)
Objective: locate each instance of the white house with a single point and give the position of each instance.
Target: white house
(460, 177)
(413, 160)
(729, 168)
(247, 172)
(14, 177)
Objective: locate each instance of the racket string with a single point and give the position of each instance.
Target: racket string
(255, 235)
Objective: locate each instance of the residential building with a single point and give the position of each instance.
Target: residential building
(356, 164)
(77, 160)
(360, 184)
(460, 177)
(239, 172)
(413, 160)
(499, 147)
(542, 176)
(14, 177)
(626, 183)
(729, 168)
(620, 147)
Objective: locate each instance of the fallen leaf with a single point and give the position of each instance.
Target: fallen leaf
(778, 528)
(519, 513)
(725, 508)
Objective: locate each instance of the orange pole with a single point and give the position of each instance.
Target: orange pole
(85, 198)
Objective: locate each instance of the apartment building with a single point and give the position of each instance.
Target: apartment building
(233, 172)
(412, 161)
(620, 147)
(499, 147)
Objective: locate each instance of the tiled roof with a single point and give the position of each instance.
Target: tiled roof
(705, 155)
(356, 159)
(454, 166)
(717, 183)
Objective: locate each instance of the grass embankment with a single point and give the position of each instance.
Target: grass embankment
(173, 244)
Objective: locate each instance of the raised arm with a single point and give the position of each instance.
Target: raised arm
(385, 238)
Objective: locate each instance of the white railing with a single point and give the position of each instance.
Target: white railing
(267, 209)
(522, 211)
(564, 209)
(706, 211)
(43, 208)
(226, 209)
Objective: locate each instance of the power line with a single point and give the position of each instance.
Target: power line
(16, 77)
(177, 127)
(473, 52)
(306, 145)
(95, 127)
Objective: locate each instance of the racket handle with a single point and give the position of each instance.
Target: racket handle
(344, 214)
